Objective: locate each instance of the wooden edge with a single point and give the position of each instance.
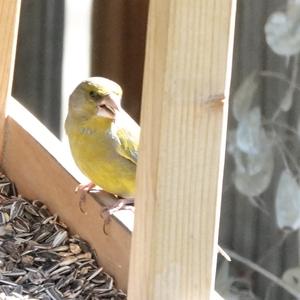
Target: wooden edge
(9, 19)
(35, 160)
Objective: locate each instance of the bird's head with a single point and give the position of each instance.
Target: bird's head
(96, 96)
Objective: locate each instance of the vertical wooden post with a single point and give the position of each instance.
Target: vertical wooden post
(9, 20)
(182, 146)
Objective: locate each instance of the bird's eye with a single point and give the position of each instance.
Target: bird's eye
(93, 94)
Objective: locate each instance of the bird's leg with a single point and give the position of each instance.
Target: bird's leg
(120, 204)
(83, 189)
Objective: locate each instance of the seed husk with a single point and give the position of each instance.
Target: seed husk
(39, 259)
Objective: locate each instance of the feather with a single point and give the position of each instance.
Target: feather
(127, 133)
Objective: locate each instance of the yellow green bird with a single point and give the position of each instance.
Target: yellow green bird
(103, 138)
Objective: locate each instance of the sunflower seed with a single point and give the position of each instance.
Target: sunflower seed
(39, 258)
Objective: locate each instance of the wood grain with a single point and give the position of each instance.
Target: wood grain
(182, 149)
(9, 19)
(39, 168)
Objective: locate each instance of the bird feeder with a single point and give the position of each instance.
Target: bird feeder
(184, 111)
(34, 159)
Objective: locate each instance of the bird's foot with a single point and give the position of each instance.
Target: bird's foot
(120, 204)
(83, 189)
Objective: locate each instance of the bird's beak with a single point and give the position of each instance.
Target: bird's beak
(107, 107)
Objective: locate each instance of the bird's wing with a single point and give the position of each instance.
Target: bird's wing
(128, 137)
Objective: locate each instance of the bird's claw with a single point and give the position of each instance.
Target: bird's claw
(82, 200)
(83, 189)
(120, 204)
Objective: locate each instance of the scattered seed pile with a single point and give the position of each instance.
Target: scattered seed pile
(40, 260)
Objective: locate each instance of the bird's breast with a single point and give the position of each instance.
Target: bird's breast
(95, 152)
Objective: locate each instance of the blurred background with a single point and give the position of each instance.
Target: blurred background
(61, 43)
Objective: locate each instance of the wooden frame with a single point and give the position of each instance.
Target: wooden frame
(180, 167)
(34, 159)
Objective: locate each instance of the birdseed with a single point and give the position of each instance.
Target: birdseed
(40, 259)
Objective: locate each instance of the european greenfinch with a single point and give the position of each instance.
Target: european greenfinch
(103, 138)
